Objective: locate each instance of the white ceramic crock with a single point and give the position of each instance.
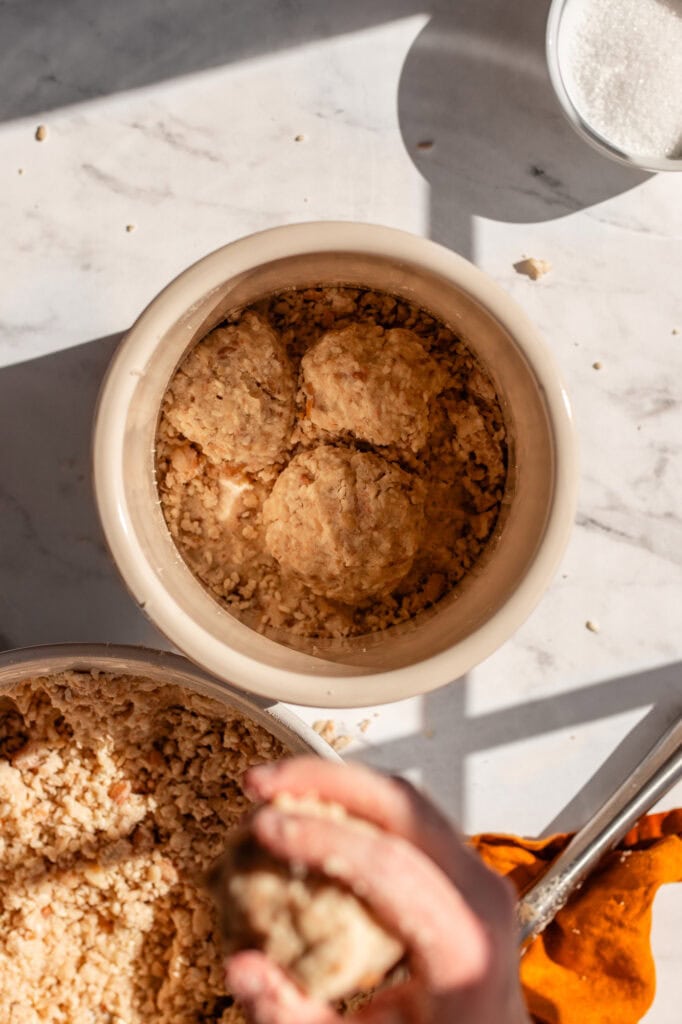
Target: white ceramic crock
(538, 511)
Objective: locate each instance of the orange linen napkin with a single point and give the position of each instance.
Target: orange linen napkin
(593, 964)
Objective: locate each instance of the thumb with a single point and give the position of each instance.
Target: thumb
(268, 996)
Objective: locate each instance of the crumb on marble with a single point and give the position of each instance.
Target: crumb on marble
(21, 171)
(299, 138)
(326, 728)
(130, 227)
(41, 133)
(597, 365)
(364, 725)
(532, 267)
(676, 330)
(592, 626)
(425, 144)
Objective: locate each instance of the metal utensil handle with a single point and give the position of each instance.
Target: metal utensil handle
(654, 776)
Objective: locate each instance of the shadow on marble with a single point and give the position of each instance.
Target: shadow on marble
(449, 736)
(481, 123)
(57, 580)
(57, 53)
(437, 750)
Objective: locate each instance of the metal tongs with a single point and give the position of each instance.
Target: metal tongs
(654, 776)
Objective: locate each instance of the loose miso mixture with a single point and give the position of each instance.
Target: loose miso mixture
(330, 461)
(116, 794)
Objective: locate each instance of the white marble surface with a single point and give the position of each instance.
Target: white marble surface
(184, 125)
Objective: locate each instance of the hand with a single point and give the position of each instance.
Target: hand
(455, 916)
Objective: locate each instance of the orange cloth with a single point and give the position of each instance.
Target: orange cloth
(593, 964)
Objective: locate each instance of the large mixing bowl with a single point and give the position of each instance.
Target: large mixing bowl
(161, 667)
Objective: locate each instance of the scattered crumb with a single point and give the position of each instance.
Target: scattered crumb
(41, 133)
(624, 856)
(425, 144)
(576, 931)
(592, 626)
(597, 366)
(325, 728)
(533, 268)
(299, 138)
(130, 227)
(21, 171)
(364, 724)
(675, 330)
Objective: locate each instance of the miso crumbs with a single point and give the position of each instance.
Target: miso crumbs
(426, 420)
(116, 795)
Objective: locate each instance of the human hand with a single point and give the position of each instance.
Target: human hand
(455, 916)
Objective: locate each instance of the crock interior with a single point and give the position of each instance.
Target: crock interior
(527, 502)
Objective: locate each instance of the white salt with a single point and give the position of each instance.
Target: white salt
(622, 65)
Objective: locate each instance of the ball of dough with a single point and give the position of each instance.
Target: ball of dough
(318, 931)
(378, 385)
(234, 395)
(347, 523)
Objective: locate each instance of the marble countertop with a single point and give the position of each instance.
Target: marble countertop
(172, 129)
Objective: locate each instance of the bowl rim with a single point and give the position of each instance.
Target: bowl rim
(209, 273)
(580, 125)
(50, 659)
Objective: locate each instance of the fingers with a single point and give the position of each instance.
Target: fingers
(389, 803)
(411, 895)
(404, 1004)
(268, 996)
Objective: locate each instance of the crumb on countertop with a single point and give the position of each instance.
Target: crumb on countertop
(326, 729)
(41, 133)
(592, 626)
(532, 267)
